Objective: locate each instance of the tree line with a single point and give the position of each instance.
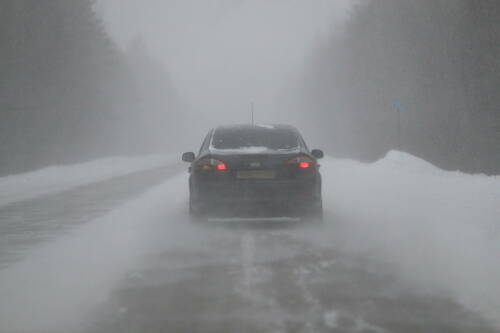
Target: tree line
(435, 62)
(68, 93)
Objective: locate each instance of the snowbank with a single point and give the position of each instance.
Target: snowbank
(55, 288)
(61, 178)
(438, 229)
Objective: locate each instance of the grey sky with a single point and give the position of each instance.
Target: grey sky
(224, 53)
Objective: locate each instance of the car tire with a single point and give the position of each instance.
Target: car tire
(315, 213)
(318, 216)
(195, 215)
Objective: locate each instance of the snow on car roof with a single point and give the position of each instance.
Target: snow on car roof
(265, 126)
(249, 126)
(251, 150)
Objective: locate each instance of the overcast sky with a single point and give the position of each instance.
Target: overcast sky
(222, 54)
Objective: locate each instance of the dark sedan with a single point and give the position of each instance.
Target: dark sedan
(255, 171)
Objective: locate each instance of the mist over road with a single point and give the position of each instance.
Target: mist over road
(98, 98)
(136, 264)
(30, 222)
(272, 279)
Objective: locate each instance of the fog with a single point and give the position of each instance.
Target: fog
(357, 78)
(100, 231)
(415, 247)
(223, 55)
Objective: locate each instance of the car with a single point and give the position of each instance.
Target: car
(255, 171)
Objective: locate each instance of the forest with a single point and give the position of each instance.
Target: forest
(69, 94)
(421, 76)
(435, 62)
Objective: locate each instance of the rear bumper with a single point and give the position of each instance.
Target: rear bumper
(256, 198)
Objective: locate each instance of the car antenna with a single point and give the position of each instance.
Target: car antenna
(252, 111)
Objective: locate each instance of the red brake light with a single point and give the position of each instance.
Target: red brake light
(211, 164)
(221, 166)
(301, 161)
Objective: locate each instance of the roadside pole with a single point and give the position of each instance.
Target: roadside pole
(399, 128)
(252, 110)
(397, 106)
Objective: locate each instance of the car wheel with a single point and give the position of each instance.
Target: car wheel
(195, 215)
(315, 213)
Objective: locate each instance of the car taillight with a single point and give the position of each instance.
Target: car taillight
(302, 162)
(304, 165)
(211, 164)
(221, 166)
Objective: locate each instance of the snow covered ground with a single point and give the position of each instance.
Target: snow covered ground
(58, 284)
(437, 231)
(62, 178)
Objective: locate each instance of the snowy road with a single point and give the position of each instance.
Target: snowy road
(270, 279)
(27, 223)
(405, 248)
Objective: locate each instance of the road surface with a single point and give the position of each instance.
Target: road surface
(223, 276)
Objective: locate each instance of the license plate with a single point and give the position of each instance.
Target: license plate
(255, 174)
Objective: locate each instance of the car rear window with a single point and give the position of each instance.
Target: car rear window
(256, 136)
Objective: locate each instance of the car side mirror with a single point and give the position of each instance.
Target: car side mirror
(188, 157)
(317, 153)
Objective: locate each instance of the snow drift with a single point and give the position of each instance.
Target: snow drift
(61, 283)
(440, 230)
(62, 178)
